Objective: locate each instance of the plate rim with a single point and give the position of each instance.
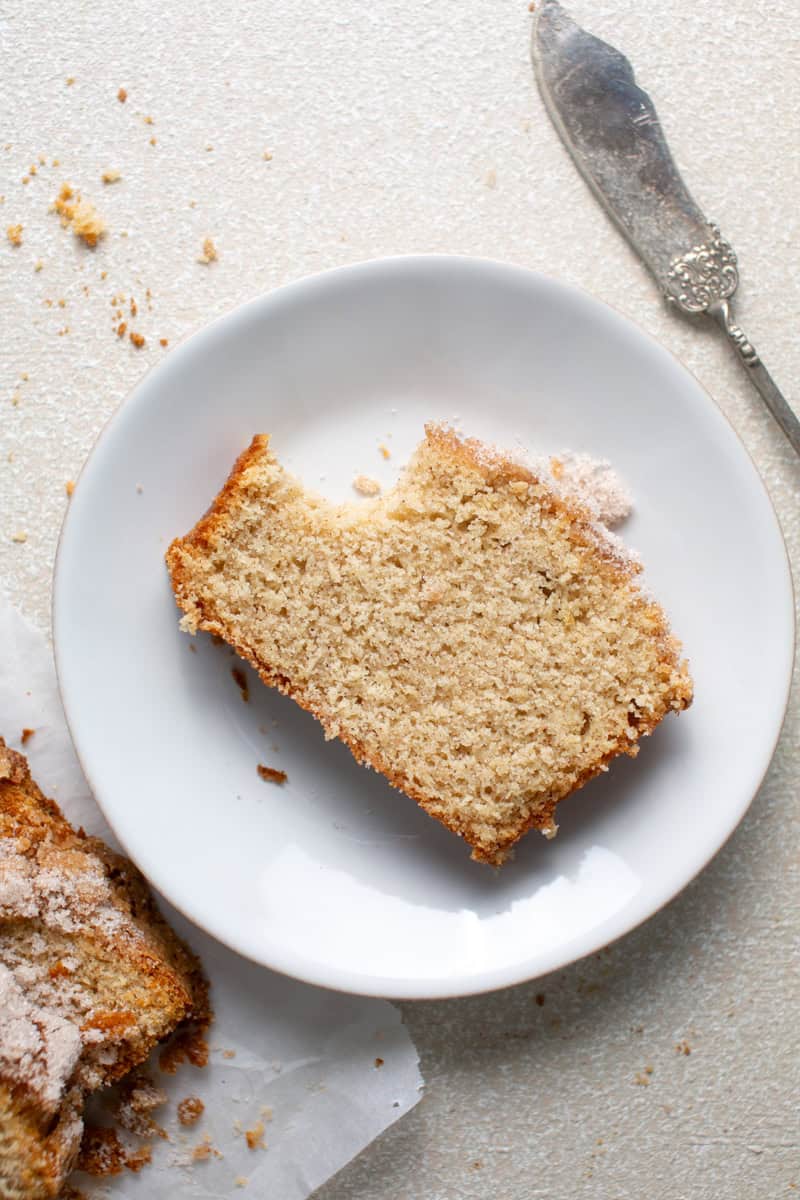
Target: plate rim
(555, 958)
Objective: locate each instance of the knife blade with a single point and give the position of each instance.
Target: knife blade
(611, 129)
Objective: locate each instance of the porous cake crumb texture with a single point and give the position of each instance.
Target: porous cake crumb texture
(472, 634)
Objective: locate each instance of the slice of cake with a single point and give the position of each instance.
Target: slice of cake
(91, 978)
(472, 634)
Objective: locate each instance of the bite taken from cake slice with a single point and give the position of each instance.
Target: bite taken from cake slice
(473, 633)
(91, 979)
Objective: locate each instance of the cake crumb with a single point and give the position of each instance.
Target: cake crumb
(101, 1153)
(240, 679)
(136, 1159)
(187, 1044)
(241, 1181)
(229, 1054)
(14, 234)
(190, 1110)
(204, 1150)
(111, 176)
(153, 141)
(20, 536)
(385, 451)
(366, 486)
(121, 328)
(255, 1137)
(209, 254)
(378, 1062)
(683, 1047)
(122, 95)
(38, 265)
(26, 736)
(491, 178)
(148, 121)
(163, 341)
(137, 1098)
(86, 222)
(539, 998)
(267, 156)
(271, 774)
(138, 340)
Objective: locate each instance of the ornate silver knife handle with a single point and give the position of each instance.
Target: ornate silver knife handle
(611, 128)
(702, 281)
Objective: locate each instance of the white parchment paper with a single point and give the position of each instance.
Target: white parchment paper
(323, 1072)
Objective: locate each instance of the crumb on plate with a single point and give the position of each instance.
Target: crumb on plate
(271, 774)
(365, 485)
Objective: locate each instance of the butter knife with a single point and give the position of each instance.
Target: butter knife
(611, 129)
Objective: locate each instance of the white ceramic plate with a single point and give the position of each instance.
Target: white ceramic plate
(336, 878)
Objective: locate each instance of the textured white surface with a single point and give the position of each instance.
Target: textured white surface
(405, 127)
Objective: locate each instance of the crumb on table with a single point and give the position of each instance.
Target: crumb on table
(20, 536)
(122, 95)
(378, 1062)
(86, 222)
(14, 234)
(271, 774)
(137, 339)
(26, 736)
(365, 485)
(111, 176)
(385, 451)
(209, 254)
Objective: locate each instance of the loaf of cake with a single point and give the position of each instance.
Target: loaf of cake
(473, 634)
(91, 978)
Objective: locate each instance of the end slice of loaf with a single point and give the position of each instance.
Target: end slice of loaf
(91, 978)
(471, 634)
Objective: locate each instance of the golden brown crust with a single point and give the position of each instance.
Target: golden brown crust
(498, 470)
(199, 537)
(138, 980)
